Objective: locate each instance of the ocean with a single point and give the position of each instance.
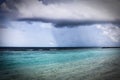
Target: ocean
(77, 64)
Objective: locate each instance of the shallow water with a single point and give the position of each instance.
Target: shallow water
(80, 64)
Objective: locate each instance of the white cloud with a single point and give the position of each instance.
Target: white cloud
(111, 31)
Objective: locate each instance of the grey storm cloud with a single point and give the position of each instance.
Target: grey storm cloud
(63, 9)
(7, 10)
(62, 12)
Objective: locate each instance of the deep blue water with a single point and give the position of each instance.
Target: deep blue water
(60, 64)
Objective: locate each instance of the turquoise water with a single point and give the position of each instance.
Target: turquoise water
(80, 64)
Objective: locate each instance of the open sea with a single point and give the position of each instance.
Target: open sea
(78, 64)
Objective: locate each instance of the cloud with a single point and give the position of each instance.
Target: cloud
(111, 31)
(65, 9)
(68, 23)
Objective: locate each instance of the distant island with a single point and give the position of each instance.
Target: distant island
(45, 48)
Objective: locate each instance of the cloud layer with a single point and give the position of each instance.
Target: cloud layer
(65, 9)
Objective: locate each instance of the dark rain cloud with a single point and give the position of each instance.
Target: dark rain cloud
(68, 23)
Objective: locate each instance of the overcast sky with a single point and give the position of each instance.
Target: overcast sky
(40, 30)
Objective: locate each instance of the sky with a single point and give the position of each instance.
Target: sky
(59, 23)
